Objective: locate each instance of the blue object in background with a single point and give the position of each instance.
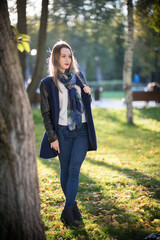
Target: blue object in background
(136, 78)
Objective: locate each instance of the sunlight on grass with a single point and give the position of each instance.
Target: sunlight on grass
(119, 187)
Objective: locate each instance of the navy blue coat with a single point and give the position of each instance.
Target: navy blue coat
(46, 151)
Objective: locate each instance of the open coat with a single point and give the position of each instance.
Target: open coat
(53, 95)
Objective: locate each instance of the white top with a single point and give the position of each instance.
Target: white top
(63, 103)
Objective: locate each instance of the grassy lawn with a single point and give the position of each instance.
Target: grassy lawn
(119, 191)
(113, 94)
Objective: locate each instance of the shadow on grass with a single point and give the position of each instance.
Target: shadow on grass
(92, 204)
(90, 198)
(150, 113)
(104, 115)
(141, 179)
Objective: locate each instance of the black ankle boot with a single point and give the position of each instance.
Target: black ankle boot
(67, 217)
(76, 213)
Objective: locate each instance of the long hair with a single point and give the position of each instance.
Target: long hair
(53, 67)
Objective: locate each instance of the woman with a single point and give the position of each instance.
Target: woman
(70, 133)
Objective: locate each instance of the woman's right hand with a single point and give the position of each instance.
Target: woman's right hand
(87, 89)
(55, 146)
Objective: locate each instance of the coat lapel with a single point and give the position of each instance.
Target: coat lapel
(79, 83)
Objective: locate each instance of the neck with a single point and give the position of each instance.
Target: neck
(61, 71)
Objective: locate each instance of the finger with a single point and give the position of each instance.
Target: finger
(88, 90)
(58, 150)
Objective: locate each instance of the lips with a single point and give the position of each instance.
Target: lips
(66, 64)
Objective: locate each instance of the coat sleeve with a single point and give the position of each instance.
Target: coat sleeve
(46, 113)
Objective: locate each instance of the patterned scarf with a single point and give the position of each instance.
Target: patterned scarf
(75, 106)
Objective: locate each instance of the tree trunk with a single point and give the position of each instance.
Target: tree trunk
(127, 68)
(20, 217)
(22, 28)
(37, 74)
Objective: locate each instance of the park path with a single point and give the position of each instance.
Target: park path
(118, 104)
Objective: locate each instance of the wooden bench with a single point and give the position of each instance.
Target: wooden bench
(146, 96)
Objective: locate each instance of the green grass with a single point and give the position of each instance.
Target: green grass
(119, 188)
(112, 94)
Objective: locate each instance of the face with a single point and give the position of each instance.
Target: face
(65, 59)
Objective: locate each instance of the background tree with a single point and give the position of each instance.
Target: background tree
(97, 28)
(147, 40)
(89, 27)
(22, 28)
(37, 74)
(19, 191)
(93, 28)
(127, 68)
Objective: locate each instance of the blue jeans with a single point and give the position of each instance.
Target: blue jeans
(73, 149)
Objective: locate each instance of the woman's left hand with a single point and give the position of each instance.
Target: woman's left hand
(87, 89)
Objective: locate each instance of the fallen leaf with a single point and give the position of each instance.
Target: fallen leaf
(114, 216)
(95, 194)
(96, 230)
(86, 197)
(52, 232)
(140, 220)
(100, 216)
(107, 219)
(156, 222)
(83, 183)
(124, 226)
(57, 224)
(158, 229)
(91, 226)
(104, 201)
(115, 224)
(81, 237)
(133, 206)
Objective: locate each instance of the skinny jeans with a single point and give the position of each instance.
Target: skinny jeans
(73, 149)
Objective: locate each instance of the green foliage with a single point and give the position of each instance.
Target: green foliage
(22, 40)
(92, 28)
(146, 37)
(149, 13)
(98, 28)
(119, 183)
(155, 16)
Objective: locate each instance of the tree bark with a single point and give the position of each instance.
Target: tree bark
(37, 74)
(20, 217)
(22, 28)
(127, 68)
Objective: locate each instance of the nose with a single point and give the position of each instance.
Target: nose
(68, 59)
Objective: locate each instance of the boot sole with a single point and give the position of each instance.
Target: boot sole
(66, 223)
(78, 219)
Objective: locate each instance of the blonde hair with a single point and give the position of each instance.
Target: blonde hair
(53, 66)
